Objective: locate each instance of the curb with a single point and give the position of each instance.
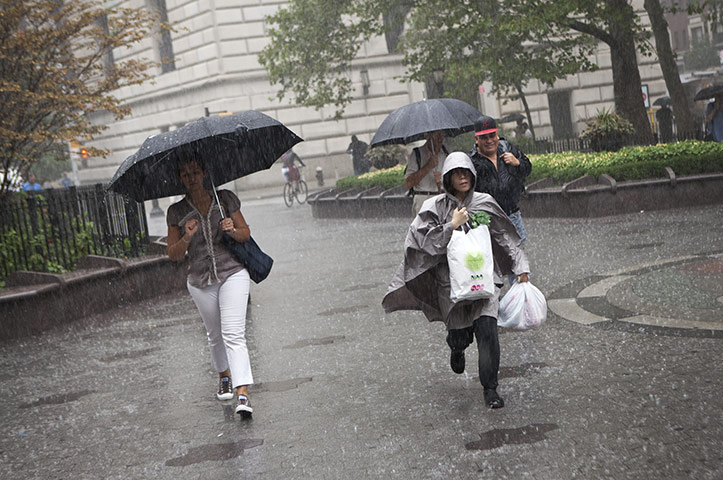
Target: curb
(583, 197)
(33, 302)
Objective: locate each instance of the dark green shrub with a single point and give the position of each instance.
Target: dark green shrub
(386, 156)
(387, 178)
(631, 163)
(607, 131)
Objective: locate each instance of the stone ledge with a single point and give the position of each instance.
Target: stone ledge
(34, 302)
(583, 197)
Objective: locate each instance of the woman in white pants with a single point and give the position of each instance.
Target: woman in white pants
(217, 281)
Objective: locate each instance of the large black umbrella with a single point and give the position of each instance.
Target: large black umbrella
(512, 117)
(229, 147)
(708, 92)
(409, 123)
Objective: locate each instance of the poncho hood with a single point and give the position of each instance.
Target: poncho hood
(454, 161)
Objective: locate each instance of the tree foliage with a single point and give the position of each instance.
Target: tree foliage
(55, 70)
(507, 42)
(313, 44)
(491, 40)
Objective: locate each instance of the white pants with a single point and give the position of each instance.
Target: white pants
(223, 310)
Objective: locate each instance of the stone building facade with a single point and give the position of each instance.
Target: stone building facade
(215, 68)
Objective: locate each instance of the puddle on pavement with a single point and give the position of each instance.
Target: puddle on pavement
(365, 286)
(213, 452)
(520, 370)
(512, 436)
(634, 230)
(58, 399)
(128, 355)
(389, 266)
(314, 341)
(338, 311)
(640, 246)
(280, 386)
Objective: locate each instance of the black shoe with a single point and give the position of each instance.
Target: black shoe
(456, 361)
(492, 399)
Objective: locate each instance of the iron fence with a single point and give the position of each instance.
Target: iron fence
(51, 229)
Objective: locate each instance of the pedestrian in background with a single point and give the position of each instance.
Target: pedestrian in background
(422, 280)
(31, 185)
(217, 281)
(357, 149)
(501, 170)
(714, 119)
(664, 117)
(423, 174)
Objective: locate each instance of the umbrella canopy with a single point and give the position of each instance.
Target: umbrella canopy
(708, 92)
(512, 117)
(229, 147)
(411, 122)
(663, 101)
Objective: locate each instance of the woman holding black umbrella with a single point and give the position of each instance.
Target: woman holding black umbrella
(217, 281)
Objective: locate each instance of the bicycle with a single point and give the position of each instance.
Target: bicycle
(295, 189)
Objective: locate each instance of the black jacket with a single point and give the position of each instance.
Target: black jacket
(505, 183)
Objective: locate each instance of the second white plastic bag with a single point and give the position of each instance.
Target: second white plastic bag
(471, 266)
(523, 307)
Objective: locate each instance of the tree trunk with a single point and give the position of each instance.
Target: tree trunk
(629, 101)
(623, 55)
(527, 109)
(681, 106)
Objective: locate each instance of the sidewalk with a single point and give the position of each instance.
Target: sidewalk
(342, 390)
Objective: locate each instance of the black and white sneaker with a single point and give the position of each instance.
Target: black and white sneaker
(243, 407)
(225, 391)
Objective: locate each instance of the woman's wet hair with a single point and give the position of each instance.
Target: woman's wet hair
(447, 179)
(185, 160)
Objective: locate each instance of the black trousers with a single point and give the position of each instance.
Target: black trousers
(488, 344)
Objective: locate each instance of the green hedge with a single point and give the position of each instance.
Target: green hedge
(387, 178)
(629, 163)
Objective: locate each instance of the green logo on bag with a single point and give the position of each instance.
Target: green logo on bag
(474, 261)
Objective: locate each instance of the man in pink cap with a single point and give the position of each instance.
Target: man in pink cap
(501, 169)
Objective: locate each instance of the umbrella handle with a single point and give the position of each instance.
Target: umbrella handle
(215, 194)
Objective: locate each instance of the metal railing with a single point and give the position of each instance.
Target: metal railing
(50, 230)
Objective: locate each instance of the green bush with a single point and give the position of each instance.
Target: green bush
(629, 163)
(386, 178)
(386, 156)
(607, 131)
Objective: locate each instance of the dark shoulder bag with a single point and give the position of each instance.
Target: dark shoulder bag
(250, 254)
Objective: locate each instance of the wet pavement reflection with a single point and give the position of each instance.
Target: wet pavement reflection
(602, 390)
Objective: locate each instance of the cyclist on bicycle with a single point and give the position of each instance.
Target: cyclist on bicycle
(288, 169)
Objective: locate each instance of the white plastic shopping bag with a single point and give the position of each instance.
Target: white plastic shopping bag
(471, 266)
(523, 307)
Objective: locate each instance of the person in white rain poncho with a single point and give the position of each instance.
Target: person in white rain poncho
(422, 280)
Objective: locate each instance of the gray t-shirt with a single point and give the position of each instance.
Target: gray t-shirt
(427, 184)
(210, 260)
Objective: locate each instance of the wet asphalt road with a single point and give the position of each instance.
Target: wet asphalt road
(344, 391)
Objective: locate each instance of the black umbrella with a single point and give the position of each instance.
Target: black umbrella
(663, 101)
(512, 117)
(229, 147)
(409, 123)
(708, 92)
